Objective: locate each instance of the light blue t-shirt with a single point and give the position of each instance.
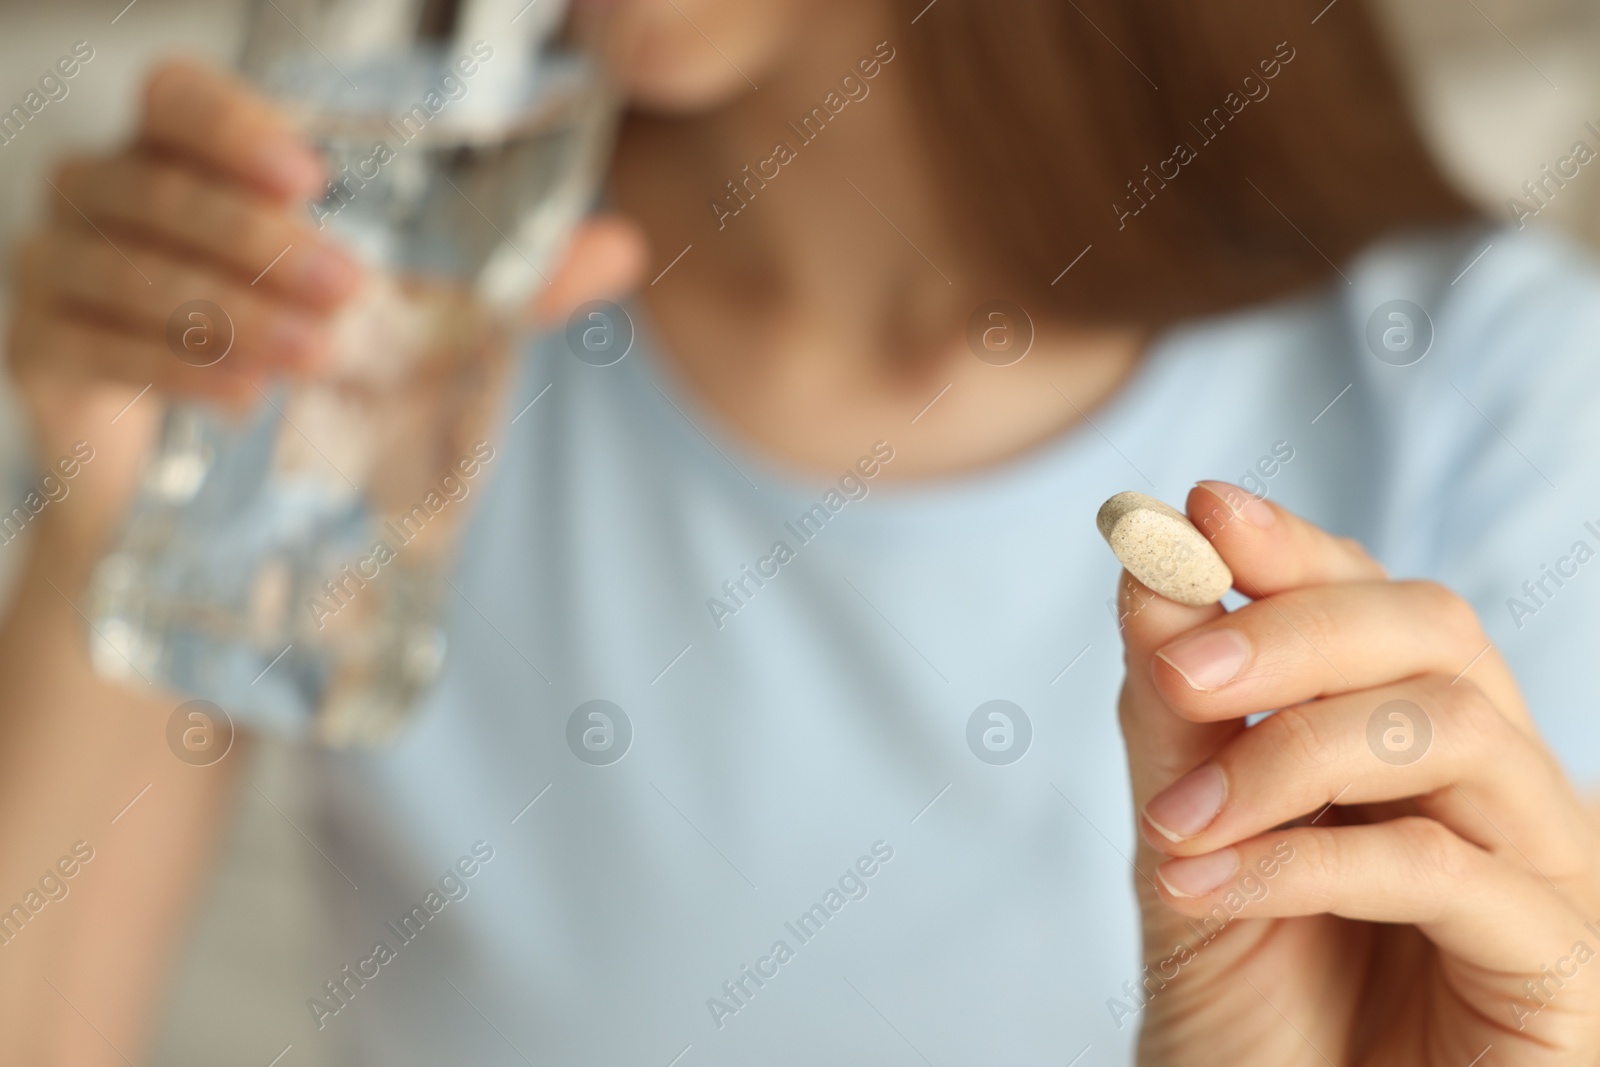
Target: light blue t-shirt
(819, 847)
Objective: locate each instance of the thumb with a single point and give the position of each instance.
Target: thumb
(1162, 746)
(605, 258)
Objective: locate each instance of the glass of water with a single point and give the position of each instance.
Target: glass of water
(294, 562)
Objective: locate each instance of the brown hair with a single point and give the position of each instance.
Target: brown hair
(1212, 152)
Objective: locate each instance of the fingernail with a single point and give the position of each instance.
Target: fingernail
(330, 272)
(288, 166)
(1210, 660)
(1241, 502)
(1195, 876)
(1188, 805)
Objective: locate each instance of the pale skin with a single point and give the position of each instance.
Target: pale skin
(1404, 923)
(808, 325)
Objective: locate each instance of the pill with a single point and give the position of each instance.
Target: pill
(1161, 547)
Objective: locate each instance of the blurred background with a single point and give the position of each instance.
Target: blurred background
(1503, 87)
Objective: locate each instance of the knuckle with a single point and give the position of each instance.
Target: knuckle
(100, 277)
(169, 83)
(205, 218)
(168, 193)
(75, 266)
(250, 314)
(1475, 725)
(1312, 619)
(1449, 611)
(249, 320)
(210, 215)
(1297, 732)
(1318, 862)
(254, 233)
(119, 280)
(183, 281)
(1438, 858)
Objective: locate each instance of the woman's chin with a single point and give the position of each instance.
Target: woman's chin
(671, 70)
(668, 89)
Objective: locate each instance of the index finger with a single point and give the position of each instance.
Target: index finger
(1306, 581)
(212, 118)
(1270, 549)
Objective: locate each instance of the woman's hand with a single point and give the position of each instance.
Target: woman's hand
(1392, 869)
(208, 203)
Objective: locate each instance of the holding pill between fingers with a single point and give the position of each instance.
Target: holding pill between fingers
(1160, 546)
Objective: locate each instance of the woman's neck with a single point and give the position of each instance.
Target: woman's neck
(776, 192)
(822, 297)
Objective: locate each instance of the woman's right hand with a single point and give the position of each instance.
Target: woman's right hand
(206, 204)
(208, 196)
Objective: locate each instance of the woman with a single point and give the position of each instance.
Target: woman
(876, 805)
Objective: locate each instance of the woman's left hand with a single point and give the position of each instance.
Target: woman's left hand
(1392, 869)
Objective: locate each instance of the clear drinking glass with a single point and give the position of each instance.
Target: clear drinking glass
(294, 561)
